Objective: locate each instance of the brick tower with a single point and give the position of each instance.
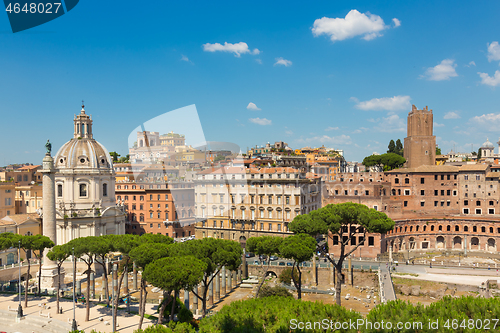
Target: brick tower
(420, 144)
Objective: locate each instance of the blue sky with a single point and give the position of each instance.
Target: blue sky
(323, 72)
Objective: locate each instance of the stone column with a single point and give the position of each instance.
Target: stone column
(125, 284)
(78, 287)
(186, 299)
(235, 283)
(49, 278)
(134, 277)
(195, 301)
(230, 281)
(244, 266)
(332, 272)
(239, 275)
(315, 272)
(217, 287)
(223, 272)
(211, 293)
(92, 285)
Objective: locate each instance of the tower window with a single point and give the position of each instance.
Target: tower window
(59, 190)
(104, 190)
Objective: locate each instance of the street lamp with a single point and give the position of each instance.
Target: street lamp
(74, 326)
(20, 308)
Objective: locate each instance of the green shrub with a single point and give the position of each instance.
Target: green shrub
(170, 328)
(183, 314)
(267, 291)
(274, 315)
(286, 276)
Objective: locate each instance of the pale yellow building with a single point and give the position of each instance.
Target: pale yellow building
(28, 198)
(7, 199)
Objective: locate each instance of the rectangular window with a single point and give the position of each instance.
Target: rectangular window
(407, 192)
(262, 226)
(478, 211)
(405, 203)
(447, 177)
(466, 177)
(270, 200)
(270, 227)
(422, 192)
(436, 192)
(435, 203)
(442, 177)
(367, 192)
(442, 192)
(491, 211)
(422, 180)
(335, 240)
(371, 241)
(448, 192)
(478, 177)
(448, 203)
(345, 192)
(466, 202)
(435, 177)
(287, 200)
(375, 207)
(422, 203)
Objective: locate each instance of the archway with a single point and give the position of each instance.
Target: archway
(243, 241)
(440, 242)
(457, 242)
(492, 246)
(412, 243)
(474, 243)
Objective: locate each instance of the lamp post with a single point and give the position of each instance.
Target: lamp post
(20, 308)
(74, 326)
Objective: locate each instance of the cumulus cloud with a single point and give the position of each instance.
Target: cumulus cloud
(331, 129)
(288, 132)
(284, 62)
(354, 24)
(238, 48)
(260, 121)
(470, 64)
(490, 121)
(390, 124)
(186, 59)
(336, 140)
(451, 115)
(493, 52)
(438, 125)
(444, 71)
(259, 61)
(252, 106)
(396, 103)
(360, 130)
(490, 80)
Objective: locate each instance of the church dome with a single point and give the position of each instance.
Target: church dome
(83, 151)
(487, 144)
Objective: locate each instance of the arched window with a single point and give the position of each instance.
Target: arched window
(104, 190)
(466, 228)
(83, 190)
(59, 190)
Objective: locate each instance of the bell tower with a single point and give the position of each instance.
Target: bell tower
(420, 143)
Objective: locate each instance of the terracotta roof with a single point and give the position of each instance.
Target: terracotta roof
(493, 174)
(474, 167)
(235, 170)
(29, 167)
(18, 219)
(426, 169)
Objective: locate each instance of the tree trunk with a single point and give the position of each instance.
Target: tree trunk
(263, 280)
(204, 299)
(338, 283)
(142, 302)
(27, 280)
(166, 296)
(173, 306)
(87, 301)
(299, 289)
(295, 283)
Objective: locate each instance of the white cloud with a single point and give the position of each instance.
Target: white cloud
(396, 103)
(331, 129)
(490, 121)
(284, 62)
(451, 115)
(337, 140)
(260, 121)
(289, 132)
(493, 51)
(186, 59)
(354, 24)
(490, 80)
(252, 106)
(396, 22)
(390, 124)
(470, 64)
(259, 61)
(444, 71)
(438, 125)
(238, 48)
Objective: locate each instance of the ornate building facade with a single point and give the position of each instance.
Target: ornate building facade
(85, 187)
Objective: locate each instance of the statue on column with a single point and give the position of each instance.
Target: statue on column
(48, 146)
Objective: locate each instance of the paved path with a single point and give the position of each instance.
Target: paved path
(127, 323)
(387, 286)
(470, 280)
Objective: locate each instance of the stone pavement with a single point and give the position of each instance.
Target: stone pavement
(127, 322)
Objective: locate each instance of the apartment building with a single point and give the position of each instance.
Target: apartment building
(7, 199)
(237, 203)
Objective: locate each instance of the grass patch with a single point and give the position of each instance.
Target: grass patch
(411, 282)
(410, 274)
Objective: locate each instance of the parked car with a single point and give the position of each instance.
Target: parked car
(249, 255)
(273, 258)
(262, 257)
(282, 263)
(256, 262)
(289, 264)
